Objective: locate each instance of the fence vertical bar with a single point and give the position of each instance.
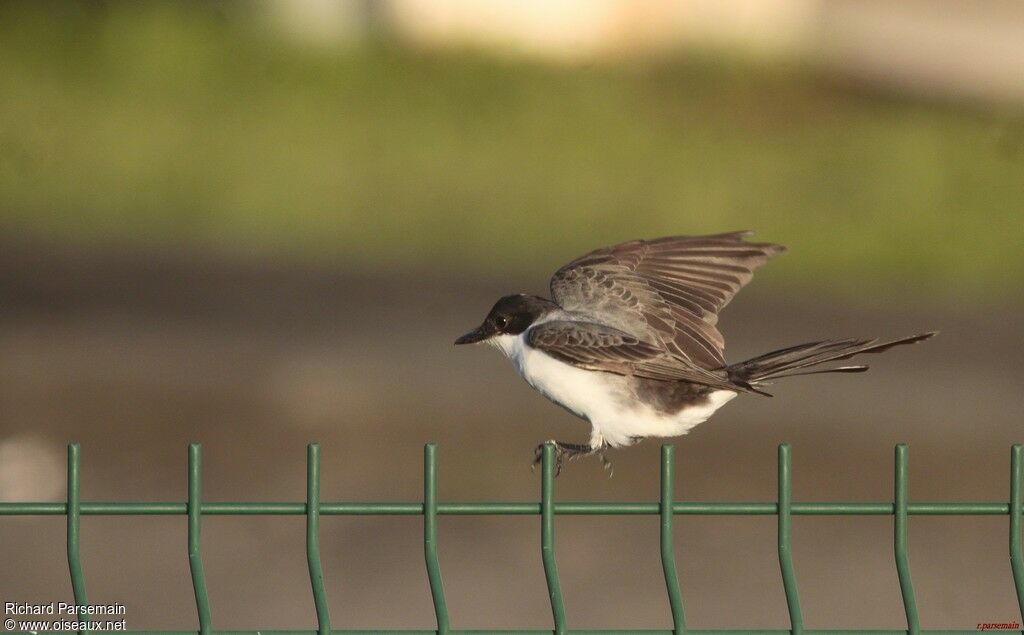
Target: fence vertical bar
(900, 540)
(796, 619)
(430, 537)
(195, 550)
(547, 536)
(74, 513)
(316, 570)
(668, 556)
(1016, 559)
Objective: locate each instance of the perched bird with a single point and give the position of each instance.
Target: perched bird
(628, 341)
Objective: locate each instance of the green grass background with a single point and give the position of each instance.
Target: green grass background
(198, 128)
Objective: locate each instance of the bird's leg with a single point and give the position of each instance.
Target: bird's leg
(572, 452)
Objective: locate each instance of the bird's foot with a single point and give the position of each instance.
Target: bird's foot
(572, 452)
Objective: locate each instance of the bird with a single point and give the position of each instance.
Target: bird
(629, 340)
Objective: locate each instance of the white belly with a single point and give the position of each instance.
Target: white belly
(603, 399)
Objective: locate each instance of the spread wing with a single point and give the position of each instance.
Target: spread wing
(666, 292)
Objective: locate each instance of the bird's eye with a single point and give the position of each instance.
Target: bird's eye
(502, 321)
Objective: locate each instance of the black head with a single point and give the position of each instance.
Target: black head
(510, 315)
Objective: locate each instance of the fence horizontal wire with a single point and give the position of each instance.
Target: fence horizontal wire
(547, 508)
(506, 509)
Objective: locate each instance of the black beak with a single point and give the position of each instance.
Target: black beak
(478, 334)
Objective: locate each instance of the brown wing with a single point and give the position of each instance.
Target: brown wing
(666, 291)
(603, 348)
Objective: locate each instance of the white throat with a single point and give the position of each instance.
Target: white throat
(511, 345)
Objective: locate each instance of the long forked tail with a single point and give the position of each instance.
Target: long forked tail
(796, 360)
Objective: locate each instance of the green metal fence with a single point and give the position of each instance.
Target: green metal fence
(667, 508)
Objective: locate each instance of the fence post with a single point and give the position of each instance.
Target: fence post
(668, 556)
(1016, 559)
(547, 536)
(900, 541)
(74, 512)
(195, 549)
(316, 570)
(430, 537)
(796, 619)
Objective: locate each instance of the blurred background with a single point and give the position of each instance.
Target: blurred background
(260, 224)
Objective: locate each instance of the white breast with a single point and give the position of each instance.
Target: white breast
(603, 399)
(584, 393)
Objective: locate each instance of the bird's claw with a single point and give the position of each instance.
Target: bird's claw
(572, 452)
(538, 456)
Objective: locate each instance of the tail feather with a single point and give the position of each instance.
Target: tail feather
(792, 361)
(842, 369)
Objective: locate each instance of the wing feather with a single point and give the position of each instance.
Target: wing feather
(666, 292)
(603, 348)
